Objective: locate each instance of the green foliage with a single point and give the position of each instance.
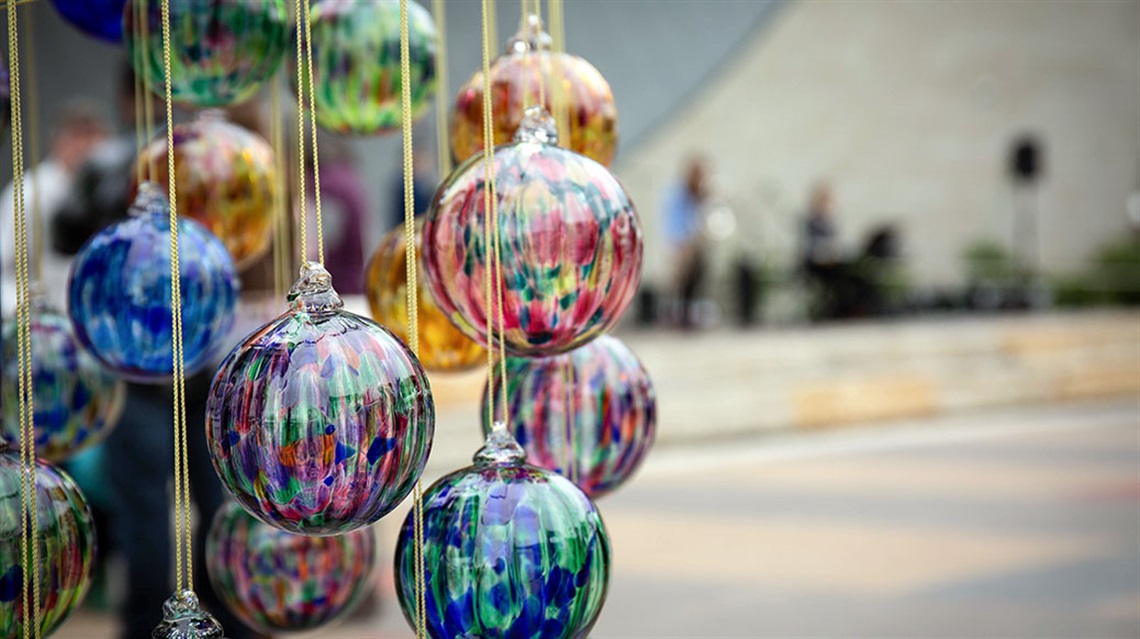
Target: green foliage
(1112, 277)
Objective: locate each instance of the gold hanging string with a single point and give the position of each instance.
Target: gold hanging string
(489, 201)
(308, 89)
(411, 292)
(29, 509)
(184, 539)
(302, 195)
(442, 143)
(491, 22)
(140, 97)
(558, 95)
(34, 150)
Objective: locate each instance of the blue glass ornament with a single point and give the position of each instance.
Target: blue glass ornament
(76, 401)
(102, 19)
(510, 551)
(183, 618)
(119, 297)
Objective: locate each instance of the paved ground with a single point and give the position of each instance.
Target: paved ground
(1014, 523)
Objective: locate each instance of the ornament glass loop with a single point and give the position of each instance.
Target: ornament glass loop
(184, 618)
(527, 73)
(66, 545)
(221, 50)
(356, 64)
(442, 346)
(571, 245)
(76, 401)
(589, 414)
(227, 181)
(119, 294)
(510, 550)
(321, 421)
(276, 581)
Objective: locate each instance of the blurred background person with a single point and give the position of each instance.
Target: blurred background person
(424, 183)
(344, 213)
(79, 128)
(682, 215)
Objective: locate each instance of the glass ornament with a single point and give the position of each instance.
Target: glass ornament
(66, 545)
(184, 618)
(442, 346)
(221, 50)
(571, 245)
(119, 296)
(276, 581)
(76, 401)
(510, 550)
(515, 83)
(227, 181)
(321, 421)
(102, 19)
(590, 414)
(356, 64)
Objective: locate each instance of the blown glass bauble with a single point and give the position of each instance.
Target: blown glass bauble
(442, 346)
(119, 296)
(66, 546)
(276, 581)
(102, 19)
(510, 550)
(356, 64)
(527, 73)
(184, 618)
(227, 181)
(590, 414)
(571, 245)
(221, 50)
(76, 401)
(321, 421)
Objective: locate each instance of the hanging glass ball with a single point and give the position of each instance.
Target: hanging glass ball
(356, 64)
(442, 346)
(221, 50)
(119, 297)
(66, 545)
(227, 181)
(102, 19)
(76, 401)
(590, 414)
(510, 550)
(527, 73)
(321, 421)
(570, 244)
(184, 618)
(276, 581)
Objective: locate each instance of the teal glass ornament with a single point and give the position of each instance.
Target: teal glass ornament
(356, 64)
(66, 545)
(221, 51)
(321, 421)
(510, 551)
(76, 401)
(119, 294)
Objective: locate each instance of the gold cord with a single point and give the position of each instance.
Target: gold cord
(29, 508)
(442, 143)
(489, 201)
(308, 90)
(411, 292)
(302, 196)
(34, 158)
(558, 95)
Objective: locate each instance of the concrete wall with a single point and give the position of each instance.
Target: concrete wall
(908, 108)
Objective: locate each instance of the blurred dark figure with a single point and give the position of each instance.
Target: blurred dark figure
(683, 213)
(344, 211)
(139, 463)
(424, 183)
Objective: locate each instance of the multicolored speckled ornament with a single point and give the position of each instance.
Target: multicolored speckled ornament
(510, 550)
(76, 400)
(321, 421)
(570, 243)
(227, 181)
(183, 618)
(119, 297)
(221, 50)
(442, 346)
(590, 414)
(356, 64)
(66, 545)
(276, 581)
(102, 19)
(527, 73)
